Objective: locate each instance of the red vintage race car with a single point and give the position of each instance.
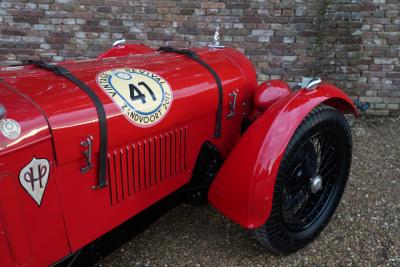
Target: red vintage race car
(86, 145)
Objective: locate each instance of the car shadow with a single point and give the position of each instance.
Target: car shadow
(111, 241)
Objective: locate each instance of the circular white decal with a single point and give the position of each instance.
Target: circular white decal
(10, 128)
(143, 96)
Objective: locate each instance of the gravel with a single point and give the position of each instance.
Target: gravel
(365, 229)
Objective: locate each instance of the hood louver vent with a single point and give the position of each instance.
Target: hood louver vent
(147, 163)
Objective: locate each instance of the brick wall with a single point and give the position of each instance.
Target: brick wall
(361, 50)
(352, 43)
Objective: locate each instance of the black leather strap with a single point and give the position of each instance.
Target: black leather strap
(61, 71)
(193, 55)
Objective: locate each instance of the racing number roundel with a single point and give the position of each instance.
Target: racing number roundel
(143, 96)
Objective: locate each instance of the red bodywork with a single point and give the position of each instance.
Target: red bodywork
(144, 163)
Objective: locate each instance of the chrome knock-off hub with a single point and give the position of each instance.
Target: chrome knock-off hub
(316, 184)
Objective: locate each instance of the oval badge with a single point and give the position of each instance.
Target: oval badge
(10, 128)
(143, 96)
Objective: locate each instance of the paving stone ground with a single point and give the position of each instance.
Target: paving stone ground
(365, 230)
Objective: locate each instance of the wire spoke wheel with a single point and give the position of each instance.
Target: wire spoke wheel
(310, 182)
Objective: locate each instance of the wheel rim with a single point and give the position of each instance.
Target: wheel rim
(311, 181)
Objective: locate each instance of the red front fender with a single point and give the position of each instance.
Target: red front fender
(244, 186)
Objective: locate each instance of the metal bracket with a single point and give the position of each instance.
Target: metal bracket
(88, 154)
(232, 104)
(313, 83)
(310, 83)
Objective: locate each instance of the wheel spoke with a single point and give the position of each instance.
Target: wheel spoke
(325, 174)
(297, 187)
(328, 163)
(293, 200)
(328, 148)
(304, 204)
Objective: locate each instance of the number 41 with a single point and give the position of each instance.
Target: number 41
(136, 94)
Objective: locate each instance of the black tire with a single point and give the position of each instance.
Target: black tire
(320, 150)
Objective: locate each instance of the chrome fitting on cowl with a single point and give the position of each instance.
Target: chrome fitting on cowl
(119, 42)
